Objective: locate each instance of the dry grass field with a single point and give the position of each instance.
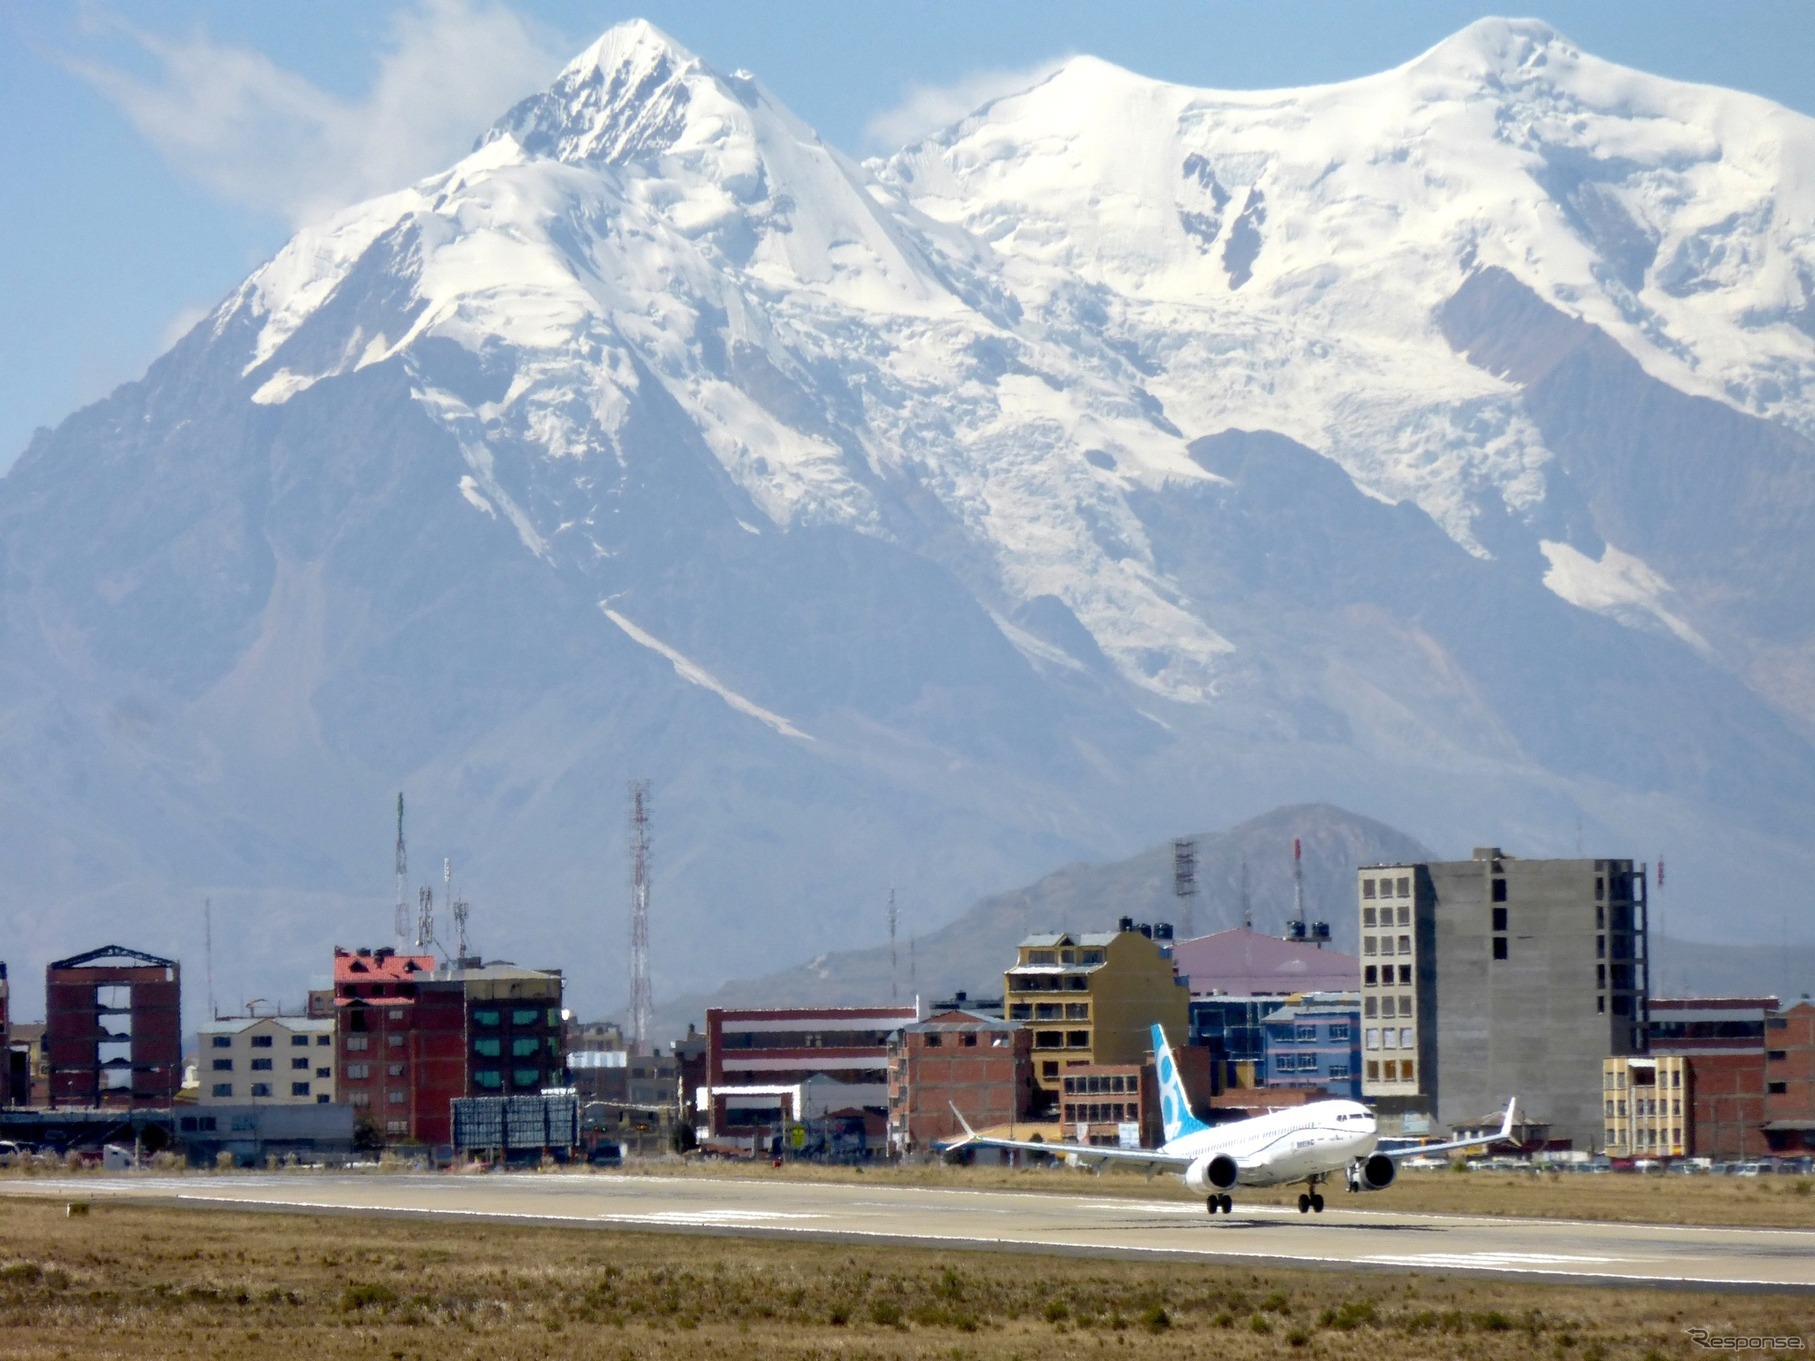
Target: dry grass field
(1780, 1202)
(125, 1281)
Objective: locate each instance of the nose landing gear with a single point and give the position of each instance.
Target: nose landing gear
(1309, 1202)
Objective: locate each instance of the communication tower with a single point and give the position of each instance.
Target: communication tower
(894, 989)
(1184, 884)
(425, 918)
(642, 997)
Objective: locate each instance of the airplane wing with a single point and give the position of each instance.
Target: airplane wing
(1151, 1159)
(1420, 1150)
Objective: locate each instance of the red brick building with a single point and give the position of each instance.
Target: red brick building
(981, 1065)
(113, 1029)
(412, 1037)
(1789, 1124)
(1097, 1100)
(1723, 1041)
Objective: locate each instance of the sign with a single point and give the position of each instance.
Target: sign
(1128, 1134)
(1083, 1131)
(797, 1137)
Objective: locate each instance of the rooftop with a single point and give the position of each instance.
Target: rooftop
(383, 963)
(1243, 962)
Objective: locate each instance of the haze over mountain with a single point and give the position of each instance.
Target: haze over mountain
(1123, 459)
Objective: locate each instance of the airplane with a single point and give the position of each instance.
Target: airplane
(1306, 1143)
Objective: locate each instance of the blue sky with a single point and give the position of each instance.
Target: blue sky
(155, 153)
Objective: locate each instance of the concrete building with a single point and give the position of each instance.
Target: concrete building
(978, 1063)
(1242, 962)
(113, 1029)
(1722, 1041)
(761, 1060)
(1493, 977)
(1092, 998)
(258, 1060)
(630, 1100)
(249, 1134)
(1646, 1108)
(1789, 1126)
(1315, 1043)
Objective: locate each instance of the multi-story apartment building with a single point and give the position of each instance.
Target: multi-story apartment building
(1315, 1043)
(1111, 1103)
(1722, 1040)
(413, 1036)
(285, 1060)
(761, 1062)
(1789, 1126)
(1092, 998)
(113, 1029)
(1647, 1111)
(1494, 977)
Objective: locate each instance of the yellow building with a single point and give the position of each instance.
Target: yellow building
(285, 1060)
(1647, 1114)
(1091, 998)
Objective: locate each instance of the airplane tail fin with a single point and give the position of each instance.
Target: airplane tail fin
(1175, 1106)
(969, 1133)
(1506, 1125)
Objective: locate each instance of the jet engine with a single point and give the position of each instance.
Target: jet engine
(1375, 1173)
(1212, 1172)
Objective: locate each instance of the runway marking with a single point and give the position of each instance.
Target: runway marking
(709, 1217)
(1490, 1259)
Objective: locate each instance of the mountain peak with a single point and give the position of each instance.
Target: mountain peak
(1496, 47)
(628, 95)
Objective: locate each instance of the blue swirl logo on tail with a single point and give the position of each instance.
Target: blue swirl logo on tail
(1175, 1106)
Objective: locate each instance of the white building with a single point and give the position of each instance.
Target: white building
(288, 1060)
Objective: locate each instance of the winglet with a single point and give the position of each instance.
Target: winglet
(1506, 1125)
(969, 1133)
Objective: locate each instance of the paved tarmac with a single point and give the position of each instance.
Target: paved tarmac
(1376, 1237)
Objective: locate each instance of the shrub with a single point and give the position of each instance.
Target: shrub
(885, 1313)
(366, 1297)
(1156, 1319)
(1259, 1324)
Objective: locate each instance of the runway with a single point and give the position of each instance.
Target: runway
(1371, 1236)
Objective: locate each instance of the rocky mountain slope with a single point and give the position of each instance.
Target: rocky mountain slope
(1125, 458)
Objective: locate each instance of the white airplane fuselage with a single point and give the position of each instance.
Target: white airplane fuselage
(1287, 1145)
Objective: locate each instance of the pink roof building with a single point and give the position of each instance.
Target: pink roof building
(1243, 963)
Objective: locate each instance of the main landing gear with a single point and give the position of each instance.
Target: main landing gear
(1223, 1203)
(1312, 1198)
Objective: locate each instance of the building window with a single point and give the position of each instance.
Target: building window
(525, 1077)
(222, 1041)
(1369, 946)
(1339, 1070)
(1405, 888)
(1077, 1011)
(1339, 1030)
(1077, 1039)
(396, 1126)
(1389, 1037)
(356, 1043)
(1408, 1071)
(1373, 1070)
(1372, 1038)
(394, 1041)
(525, 1016)
(359, 1099)
(1048, 1039)
(1405, 1037)
(324, 1040)
(488, 1078)
(396, 1098)
(1405, 916)
(1777, 1088)
(1389, 1071)
(397, 1069)
(1367, 888)
(261, 1065)
(223, 1089)
(395, 1014)
(299, 1089)
(261, 1041)
(1405, 945)
(525, 1047)
(1499, 947)
(1776, 1055)
(223, 1065)
(1499, 890)
(1305, 1034)
(302, 1040)
(1368, 917)
(1405, 975)
(485, 1016)
(1600, 1006)
(324, 1072)
(261, 1089)
(1370, 976)
(1499, 919)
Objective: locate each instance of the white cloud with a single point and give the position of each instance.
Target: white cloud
(269, 139)
(926, 109)
(180, 325)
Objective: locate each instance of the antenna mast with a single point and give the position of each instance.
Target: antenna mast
(642, 997)
(208, 944)
(894, 989)
(1298, 890)
(401, 925)
(1184, 883)
(1247, 906)
(425, 918)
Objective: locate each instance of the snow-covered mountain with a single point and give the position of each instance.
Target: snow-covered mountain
(1124, 458)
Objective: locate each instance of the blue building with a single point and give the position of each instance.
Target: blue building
(1230, 1030)
(1315, 1042)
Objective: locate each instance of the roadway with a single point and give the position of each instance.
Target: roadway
(1355, 1233)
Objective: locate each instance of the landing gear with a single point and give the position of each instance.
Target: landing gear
(1311, 1200)
(1317, 1202)
(1304, 1203)
(1228, 1205)
(1219, 1202)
